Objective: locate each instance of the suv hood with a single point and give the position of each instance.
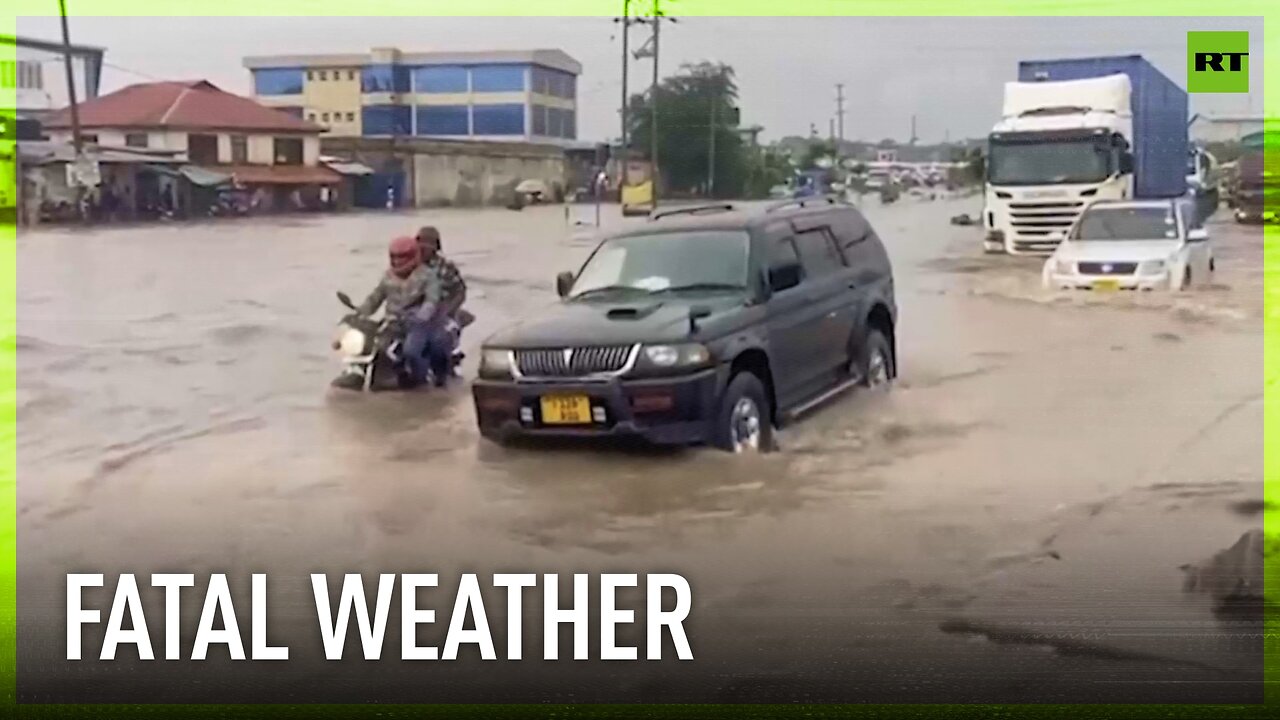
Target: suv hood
(611, 322)
(1117, 250)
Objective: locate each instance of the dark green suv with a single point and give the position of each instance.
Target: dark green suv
(709, 324)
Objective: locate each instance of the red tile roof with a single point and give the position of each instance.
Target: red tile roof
(191, 105)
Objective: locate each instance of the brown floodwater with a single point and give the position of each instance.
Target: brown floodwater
(1043, 468)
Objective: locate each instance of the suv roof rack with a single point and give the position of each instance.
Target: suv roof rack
(693, 210)
(806, 202)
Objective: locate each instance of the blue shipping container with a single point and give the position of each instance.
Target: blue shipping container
(1160, 138)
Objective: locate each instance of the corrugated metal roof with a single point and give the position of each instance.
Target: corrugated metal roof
(186, 105)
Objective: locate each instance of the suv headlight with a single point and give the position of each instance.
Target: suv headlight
(1151, 267)
(684, 356)
(495, 363)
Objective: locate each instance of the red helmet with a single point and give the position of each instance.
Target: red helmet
(405, 255)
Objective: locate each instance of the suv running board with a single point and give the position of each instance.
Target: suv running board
(810, 405)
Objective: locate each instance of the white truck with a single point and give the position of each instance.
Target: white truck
(1075, 131)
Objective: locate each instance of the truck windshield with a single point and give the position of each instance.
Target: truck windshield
(696, 261)
(1048, 163)
(1127, 223)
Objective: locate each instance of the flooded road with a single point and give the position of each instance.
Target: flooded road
(1045, 465)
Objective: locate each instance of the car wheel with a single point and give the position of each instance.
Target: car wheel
(876, 363)
(743, 423)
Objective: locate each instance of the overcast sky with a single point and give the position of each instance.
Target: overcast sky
(949, 72)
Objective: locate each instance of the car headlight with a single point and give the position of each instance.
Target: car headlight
(495, 362)
(1064, 267)
(1151, 267)
(670, 357)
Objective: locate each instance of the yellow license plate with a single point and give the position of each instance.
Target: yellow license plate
(1106, 285)
(566, 410)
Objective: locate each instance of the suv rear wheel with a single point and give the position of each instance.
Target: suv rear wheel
(743, 421)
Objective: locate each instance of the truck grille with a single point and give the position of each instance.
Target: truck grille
(1035, 224)
(1119, 268)
(573, 362)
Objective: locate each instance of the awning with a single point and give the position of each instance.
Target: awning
(204, 178)
(281, 174)
(163, 170)
(348, 168)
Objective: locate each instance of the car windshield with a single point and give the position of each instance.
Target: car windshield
(1127, 223)
(1047, 163)
(705, 260)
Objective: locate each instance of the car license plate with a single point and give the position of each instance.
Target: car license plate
(566, 410)
(1106, 285)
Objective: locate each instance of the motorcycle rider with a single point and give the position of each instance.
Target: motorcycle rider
(412, 295)
(453, 287)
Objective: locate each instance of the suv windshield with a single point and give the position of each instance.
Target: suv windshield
(667, 262)
(1127, 223)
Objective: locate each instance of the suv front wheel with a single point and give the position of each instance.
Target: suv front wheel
(876, 362)
(743, 421)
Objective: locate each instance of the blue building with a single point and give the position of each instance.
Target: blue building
(513, 96)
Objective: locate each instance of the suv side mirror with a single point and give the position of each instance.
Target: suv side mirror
(1126, 163)
(1195, 235)
(784, 277)
(564, 283)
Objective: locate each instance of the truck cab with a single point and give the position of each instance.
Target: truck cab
(1059, 147)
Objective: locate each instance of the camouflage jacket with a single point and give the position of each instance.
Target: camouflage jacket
(403, 295)
(453, 289)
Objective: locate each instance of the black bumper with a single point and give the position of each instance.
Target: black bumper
(665, 411)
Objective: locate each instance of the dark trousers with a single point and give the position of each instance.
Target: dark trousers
(428, 346)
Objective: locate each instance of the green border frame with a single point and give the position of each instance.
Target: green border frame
(1269, 10)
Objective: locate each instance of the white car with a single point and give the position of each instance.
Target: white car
(1132, 245)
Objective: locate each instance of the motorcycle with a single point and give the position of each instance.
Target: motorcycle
(372, 351)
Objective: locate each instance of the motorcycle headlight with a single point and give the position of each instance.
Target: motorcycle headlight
(1151, 267)
(667, 357)
(495, 363)
(352, 342)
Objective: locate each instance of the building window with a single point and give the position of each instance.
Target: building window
(440, 79)
(239, 149)
(497, 78)
(443, 120)
(287, 151)
(555, 123)
(202, 149)
(351, 117)
(323, 76)
(312, 117)
(278, 81)
(497, 119)
(570, 125)
(311, 75)
(351, 74)
(384, 78)
(324, 117)
(386, 119)
(135, 140)
(539, 120)
(90, 138)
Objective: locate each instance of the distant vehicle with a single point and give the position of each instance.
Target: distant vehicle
(1257, 187)
(1133, 245)
(637, 199)
(814, 183)
(1075, 131)
(708, 324)
(534, 192)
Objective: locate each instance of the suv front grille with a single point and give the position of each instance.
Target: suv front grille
(573, 362)
(1117, 268)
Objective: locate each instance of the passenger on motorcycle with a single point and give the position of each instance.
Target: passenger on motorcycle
(412, 295)
(453, 287)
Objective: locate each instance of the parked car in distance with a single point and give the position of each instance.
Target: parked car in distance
(707, 324)
(1133, 245)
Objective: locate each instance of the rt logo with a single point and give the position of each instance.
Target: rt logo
(1217, 62)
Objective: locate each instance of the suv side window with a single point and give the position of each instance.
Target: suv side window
(784, 263)
(818, 253)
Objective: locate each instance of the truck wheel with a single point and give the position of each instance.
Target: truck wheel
(876, 363)
(743, 422)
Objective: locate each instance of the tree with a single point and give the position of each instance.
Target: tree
(815, 152)
(698, 101)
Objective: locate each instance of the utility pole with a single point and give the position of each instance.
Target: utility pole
(711, 154)
(840, 115)
(913, 130)
(626, 60)
(76, 139)
(654, 174)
